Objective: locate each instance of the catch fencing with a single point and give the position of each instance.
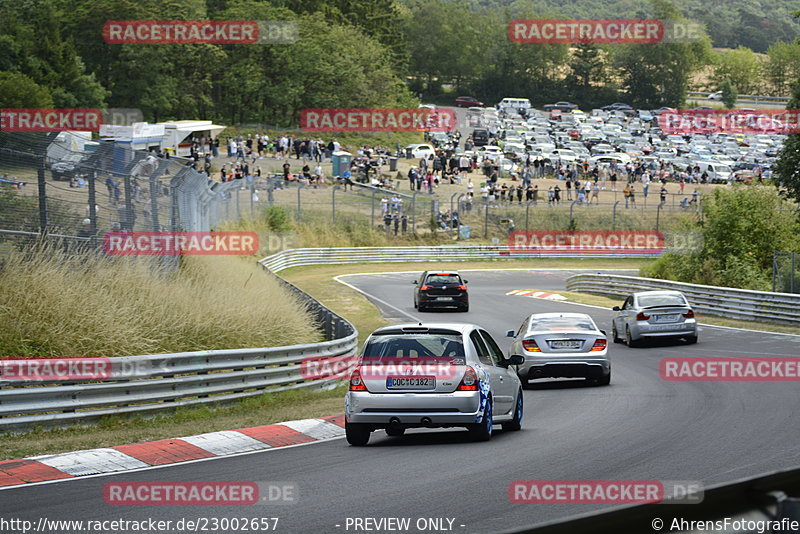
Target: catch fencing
(733, 303)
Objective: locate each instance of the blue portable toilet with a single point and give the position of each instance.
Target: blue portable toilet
(341, 162)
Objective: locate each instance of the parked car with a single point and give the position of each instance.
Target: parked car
(434, 375)
(420, 150)
(654, 314)
(468, 101)
(561, 345)
(436, 289)
(565, 107)
(480, 136)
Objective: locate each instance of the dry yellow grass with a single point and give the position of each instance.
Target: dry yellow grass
(55, 305)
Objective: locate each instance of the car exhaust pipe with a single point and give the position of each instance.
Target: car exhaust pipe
(394, 422)
(537, 374)
(426, 421)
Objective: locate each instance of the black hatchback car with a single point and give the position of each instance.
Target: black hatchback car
(436, 289)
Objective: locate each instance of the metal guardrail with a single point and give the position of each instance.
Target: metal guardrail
(317, 256)
(723, 301)
(747, 98)
(145, 384)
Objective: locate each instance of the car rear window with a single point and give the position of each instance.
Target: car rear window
(443, 278)
(414, 346)
(561, 324)
(647, 301)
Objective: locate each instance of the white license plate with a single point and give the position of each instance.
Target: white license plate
(411, 382)
(565, 344)
(666, 318)
(447, 299)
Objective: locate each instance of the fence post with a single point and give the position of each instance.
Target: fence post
(372, 214)
(129, 221)
(658, 215)
(42, 197)
(527, 213)
(414, 212)
(92, 209)
(791, 283)
(614, 215)
(486, 221)
(571, 220)
(299, 187)
(775, 269)
(333, 201)
(238, 207)
(154, 192)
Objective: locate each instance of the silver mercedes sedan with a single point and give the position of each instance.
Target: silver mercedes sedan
(654, 314)
(432, 375)
(561, 345)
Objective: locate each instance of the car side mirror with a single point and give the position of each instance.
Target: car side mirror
(466, 281)
(510, 333)
(415, 282)
(615, 308)
(603, 332)
(516, 359)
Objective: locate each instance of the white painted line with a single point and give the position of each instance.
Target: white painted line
(167, 466)
(316, 428)
(91, 462)
(225, 442)
(337, 278)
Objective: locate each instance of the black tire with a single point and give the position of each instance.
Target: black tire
(465, 308)
(357, 434)
(614, 333)
(416, 306)
(421, 308)
(482, 431)
(395, 432)
(516, 423)
(604, 380)
(691, 340)
(629, 339)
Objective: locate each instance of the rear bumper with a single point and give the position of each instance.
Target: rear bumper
(565, 368)
(412, 410)
(687, 328)
(434, 302)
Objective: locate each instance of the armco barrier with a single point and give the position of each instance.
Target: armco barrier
(723, 301)
(333, 256)
(163, 381)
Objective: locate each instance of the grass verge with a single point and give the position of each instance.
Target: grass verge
(57, 305)
(263, 409)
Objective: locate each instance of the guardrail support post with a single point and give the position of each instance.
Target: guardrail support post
(658, 215)
(527, 213)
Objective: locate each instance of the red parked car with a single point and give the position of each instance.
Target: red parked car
(468, 102)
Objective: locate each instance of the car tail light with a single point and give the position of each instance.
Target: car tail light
(530, 345)
(642, 317)
(356, 384)
(599, 344)
(689, 314)
(462, 287)
(423, 288)
(469, 382)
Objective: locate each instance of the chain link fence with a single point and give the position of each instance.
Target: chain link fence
(786, 272)
(69, 192)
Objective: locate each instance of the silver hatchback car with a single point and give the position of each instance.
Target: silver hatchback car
(561, 345)
(654, 314)
(433, 375)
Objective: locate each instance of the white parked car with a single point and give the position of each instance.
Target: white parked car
(421, 150)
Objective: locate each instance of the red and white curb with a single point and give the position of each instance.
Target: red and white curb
(168, 451)
(536, 294)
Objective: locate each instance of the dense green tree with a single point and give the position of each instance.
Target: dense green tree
(782, 67)
(742, 67)
(19, 91)
(657, 74)
(729, 93)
